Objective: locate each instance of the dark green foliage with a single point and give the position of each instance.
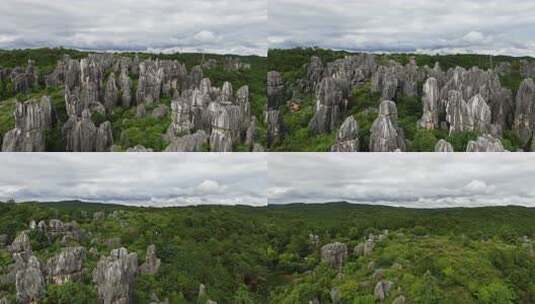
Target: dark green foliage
(459, 141)
(262, 255)
(423, 141)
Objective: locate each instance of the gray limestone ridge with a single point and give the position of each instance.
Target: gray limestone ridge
(457, 100)
(224, 115)
(113, 275)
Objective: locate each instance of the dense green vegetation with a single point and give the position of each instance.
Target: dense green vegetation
(128, 130)
(264, 255)
(291, 63)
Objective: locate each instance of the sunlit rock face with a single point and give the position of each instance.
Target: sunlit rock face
(32, 119)
(114, 276)
(347, 138)
(386, 135)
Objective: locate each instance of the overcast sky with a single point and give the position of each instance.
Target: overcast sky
(431, 26)
(429, 180)
(154, 179)
(218, 26)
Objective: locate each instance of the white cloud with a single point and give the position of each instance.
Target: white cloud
(423, 180)
(497, 27)
(229, 26)
(148, 179)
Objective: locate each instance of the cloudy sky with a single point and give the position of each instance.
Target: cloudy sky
(430, 26)
(429, 180)
(219, 26)
(161, 179)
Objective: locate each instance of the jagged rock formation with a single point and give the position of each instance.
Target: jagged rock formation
(152, 262)
(524, 122)
(189, 143)
(386, 135)
(81, 135)
(430, 117)
(443, 146)
(114, 276)
(485, 143)
(481, 113)
(272, 115)
(334, 254)
(382, 289)
(331, 103)
(30, 283)
(150, 82)
(111, 93)
(347, 138)
(23, 80)
(32, 119)
(458, 113)
(66, 266)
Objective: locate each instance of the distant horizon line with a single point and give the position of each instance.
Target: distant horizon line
(273, 205)
(350, 51)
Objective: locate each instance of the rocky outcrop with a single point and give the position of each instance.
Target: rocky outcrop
(458, 113)
(347, 138)
(139, 149)
(189, 143)
(486, 143)
(386, 135)
(114, 276)
(331, 103)
(181, 118)
(443, 146)
(152, 262)
(111, 93)
(430, 101)
(382, 289)
(150, 82)
(275, 127)
(334, 254)
(481, 114)
(30, 283)
(159, 112)
(21, 244)
(32, 119)
(399, 300)
(524, 122)
(221, 136)
(67, 266)
(125, 86)
(275, 91)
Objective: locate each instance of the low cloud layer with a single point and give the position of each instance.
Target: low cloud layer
(431, 26)
(408, 180)
(136, 179)
(215, 26)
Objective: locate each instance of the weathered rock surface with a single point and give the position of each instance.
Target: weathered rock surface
(485, 143)
(275, 91)
(189, 143)
(32, 119)
(67, 266)
(30, 283)
(430, 100)
(152, 262)
(331, 103)
(139, 149)
(347, 138)
(443, 146)
(458, 113)
(524, 122)
(386, 135)
(382, 289)
(481, 114)
(114, 276)
(334, 254)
